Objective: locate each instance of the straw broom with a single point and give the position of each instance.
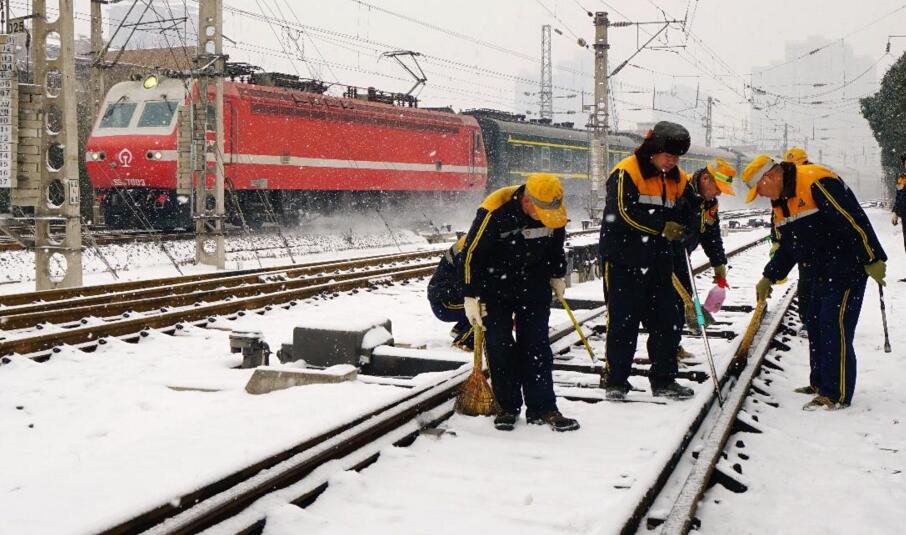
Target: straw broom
(476, 397)
(742, 353)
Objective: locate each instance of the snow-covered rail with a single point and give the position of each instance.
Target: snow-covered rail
(299, 475)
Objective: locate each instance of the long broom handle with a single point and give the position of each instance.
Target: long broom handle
(884, 319)
(700, 317)
(578, 328)
(478, 343)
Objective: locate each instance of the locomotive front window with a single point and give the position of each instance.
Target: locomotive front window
(118, 115)
(157, 114)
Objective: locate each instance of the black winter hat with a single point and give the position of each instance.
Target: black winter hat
(668, 137)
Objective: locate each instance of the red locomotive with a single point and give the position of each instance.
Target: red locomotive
(286, 150)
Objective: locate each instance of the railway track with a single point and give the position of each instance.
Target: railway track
(36, 322)
(296, 474)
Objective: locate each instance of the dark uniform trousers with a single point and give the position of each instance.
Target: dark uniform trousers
(641, 295)
(804, 290)
(520, 366)
(832, 317)
(449, 312)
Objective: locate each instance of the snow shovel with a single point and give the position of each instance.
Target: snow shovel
(884, 319)
(700, 316)
(476, 397)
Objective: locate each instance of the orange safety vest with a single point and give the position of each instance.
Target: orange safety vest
(802, 204)
(654, 190)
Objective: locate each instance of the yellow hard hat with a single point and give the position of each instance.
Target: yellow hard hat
(754, 171)
(795, 155)
(546, 193)
(723, 174)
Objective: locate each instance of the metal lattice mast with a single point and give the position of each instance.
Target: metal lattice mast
(547, 83)
(209, 196)
(708, 123)
(58, 264)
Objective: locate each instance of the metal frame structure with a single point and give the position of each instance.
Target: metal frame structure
(57, 263)
(209, 69)
(547, 83)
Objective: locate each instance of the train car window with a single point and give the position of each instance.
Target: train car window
(118, 115)
(157, 114)
(567, 160)
(546, 158)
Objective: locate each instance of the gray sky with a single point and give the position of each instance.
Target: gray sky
(341, 40)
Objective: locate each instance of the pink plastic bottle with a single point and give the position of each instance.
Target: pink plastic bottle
(716, 296)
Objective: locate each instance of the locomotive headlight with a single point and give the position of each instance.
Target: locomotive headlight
(158, 155)
(95, 156)
(150, 82)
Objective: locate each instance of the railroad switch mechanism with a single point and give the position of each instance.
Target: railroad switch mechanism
(324, 342)
(255, 351)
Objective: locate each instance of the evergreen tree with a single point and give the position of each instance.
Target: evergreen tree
(885, 112)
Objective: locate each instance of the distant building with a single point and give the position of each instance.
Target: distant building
(817, 95)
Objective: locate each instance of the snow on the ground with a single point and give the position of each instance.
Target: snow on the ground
(143, 260)
(91, 438)
(475, 479)
(838, 472)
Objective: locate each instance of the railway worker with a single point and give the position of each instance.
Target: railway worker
(899, 205)
(640, 222)
(513, 257)
(796, 155)
(446, 299)
(699, 207)
(823, 229)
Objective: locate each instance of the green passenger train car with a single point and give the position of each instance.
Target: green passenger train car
(515, 147)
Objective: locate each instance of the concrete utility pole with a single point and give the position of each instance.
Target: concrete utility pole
(97, 66)
(209, 204)
(58, 264)
(97, 81)
(547, 84)
(708, 122)
(786, 138)
(600, 118)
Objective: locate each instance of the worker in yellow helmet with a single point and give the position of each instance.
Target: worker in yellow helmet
(824, 231)
(699, 207)
(513, 258)
(796, 155)
(899, 205)
(446, 299)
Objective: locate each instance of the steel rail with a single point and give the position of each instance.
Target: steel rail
(682, 514)
(38, 346)
(45, 297)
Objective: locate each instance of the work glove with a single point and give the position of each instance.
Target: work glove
(774, 246)
(877, 271)
(763, 289)
(475, 310)
(673, 231)
(720, 272)
(558, 285)
(895, 219)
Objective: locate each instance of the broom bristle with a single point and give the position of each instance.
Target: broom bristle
(749, 336)
(476, 397)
